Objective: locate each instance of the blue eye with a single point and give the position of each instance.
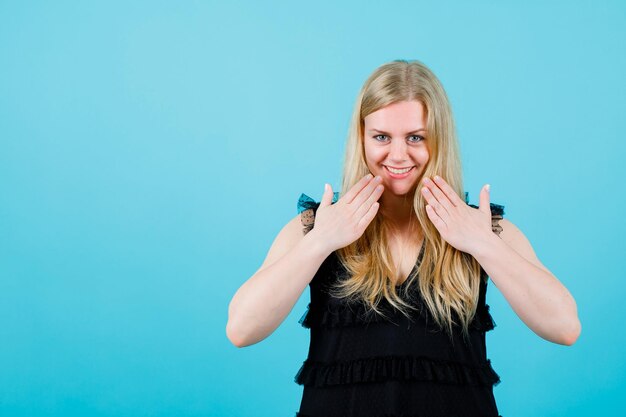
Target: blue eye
(421, 138)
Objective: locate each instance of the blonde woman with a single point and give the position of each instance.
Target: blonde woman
(398, 265)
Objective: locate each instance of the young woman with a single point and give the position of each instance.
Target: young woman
(398, 268)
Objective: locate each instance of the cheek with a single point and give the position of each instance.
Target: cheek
(423, 156)
(372, 156)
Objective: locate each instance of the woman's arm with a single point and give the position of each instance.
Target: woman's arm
(534, 293)
(263, 302)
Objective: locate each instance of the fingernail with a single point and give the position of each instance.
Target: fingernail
(487, 187)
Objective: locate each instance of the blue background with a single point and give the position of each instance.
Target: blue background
(151, 151)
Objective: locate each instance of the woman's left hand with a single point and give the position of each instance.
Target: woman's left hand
(459, 224)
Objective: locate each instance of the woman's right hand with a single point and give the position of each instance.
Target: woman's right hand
(338, 225)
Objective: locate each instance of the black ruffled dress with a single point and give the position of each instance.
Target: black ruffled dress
(373, 366)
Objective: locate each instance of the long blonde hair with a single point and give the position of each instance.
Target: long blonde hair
(449, 279)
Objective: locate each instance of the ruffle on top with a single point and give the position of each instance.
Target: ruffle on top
(298, 414)
(353, 316)
(305, 202)
(382, 368)
(495, 208)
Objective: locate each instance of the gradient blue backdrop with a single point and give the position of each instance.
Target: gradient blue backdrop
(151, 151)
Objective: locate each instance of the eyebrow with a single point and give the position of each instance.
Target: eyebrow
(382, 131)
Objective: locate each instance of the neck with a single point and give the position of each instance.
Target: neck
(398, 212)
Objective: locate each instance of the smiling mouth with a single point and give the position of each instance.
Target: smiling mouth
(396, 171)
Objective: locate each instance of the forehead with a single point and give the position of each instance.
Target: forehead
(400, 116)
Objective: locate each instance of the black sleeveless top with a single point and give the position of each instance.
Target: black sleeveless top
(362, 365)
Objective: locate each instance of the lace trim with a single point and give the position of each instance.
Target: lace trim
(353, 316)
(381, 368)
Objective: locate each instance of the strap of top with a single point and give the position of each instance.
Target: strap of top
(307, 206)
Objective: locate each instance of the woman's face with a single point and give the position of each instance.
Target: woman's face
(395, 137)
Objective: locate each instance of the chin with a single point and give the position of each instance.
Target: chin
(400, 191)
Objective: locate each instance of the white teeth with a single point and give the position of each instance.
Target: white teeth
(398, 171)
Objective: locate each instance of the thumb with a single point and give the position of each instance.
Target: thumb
(484, 203)
(327, 197)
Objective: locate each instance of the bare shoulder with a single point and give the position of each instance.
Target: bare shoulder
(516, 239)
(289, 236)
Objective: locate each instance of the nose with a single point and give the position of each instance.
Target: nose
(398, 152)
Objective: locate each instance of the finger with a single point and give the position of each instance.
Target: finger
(435, 206)
(371, 199)
(448, 191)
(327, 197)
(441, 197)
(435, 218)
(365, 193)
(369, 216)
(434, 203)
(483, 204)
(356, 188)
